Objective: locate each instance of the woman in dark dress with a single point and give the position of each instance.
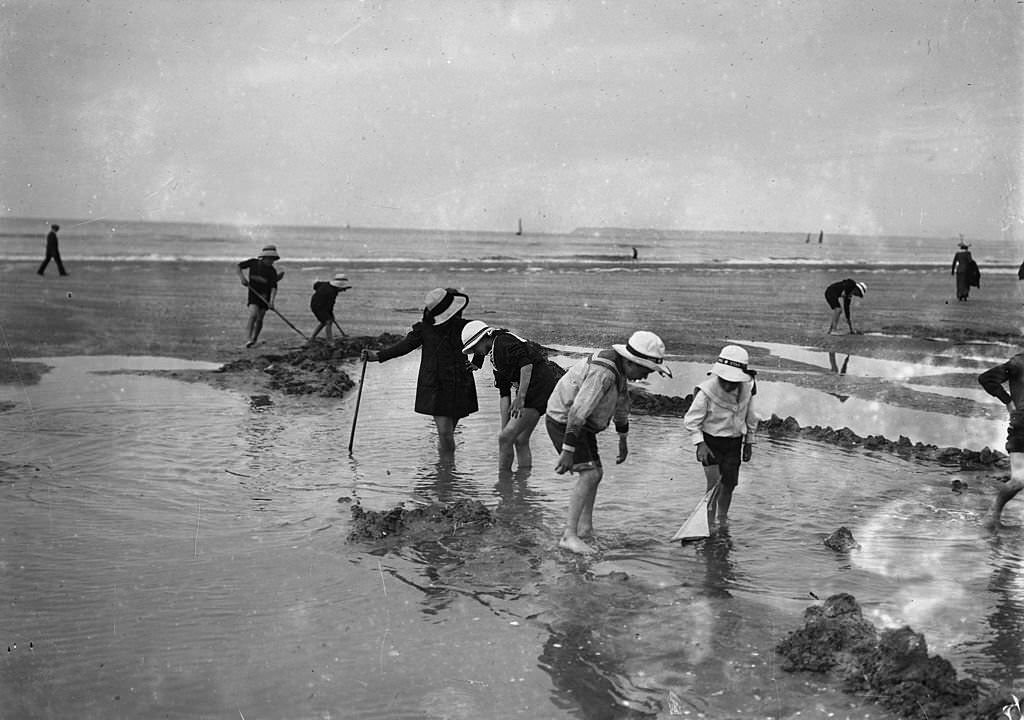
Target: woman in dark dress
(521, 364)
(445, 387)
(962, 269)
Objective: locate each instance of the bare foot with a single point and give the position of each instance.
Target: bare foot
(574, 544)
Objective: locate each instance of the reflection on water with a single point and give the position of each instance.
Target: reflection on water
(169, 549)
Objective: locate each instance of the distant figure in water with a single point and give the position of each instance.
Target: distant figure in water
(821, 236)
(963, 265)
(592, 393)
(845, 289)
(322, 304)
(635, 256)
(1020, 282)
(52, 252)
(521, 365)
(262, 284)
(721, 425)
(1012, 373)
(445, 388)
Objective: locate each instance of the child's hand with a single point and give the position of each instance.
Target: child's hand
(704, 454)
(564, 462)
(748, 451)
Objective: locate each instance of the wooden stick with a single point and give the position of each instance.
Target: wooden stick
(355, 415)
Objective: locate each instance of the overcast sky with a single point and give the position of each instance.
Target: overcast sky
(891, 117)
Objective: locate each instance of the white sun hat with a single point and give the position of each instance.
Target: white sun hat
(862, 287)
(731, 364)
(442, 304)
(340, 281)
(646, 349)
(474, 332)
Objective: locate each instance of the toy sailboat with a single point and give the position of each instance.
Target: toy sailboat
(696, 525)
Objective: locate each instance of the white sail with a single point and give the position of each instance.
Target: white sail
(696, 525)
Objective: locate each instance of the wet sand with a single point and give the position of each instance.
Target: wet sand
(197, 311)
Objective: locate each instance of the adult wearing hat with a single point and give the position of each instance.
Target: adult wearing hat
(322, 303)
(845, 289)
(591, 394)
(262, 283)
(518, 364)
(721, 424)
(963, 268)
(445, 388)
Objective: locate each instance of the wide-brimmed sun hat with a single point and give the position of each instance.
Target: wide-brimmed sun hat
(270, 251)
(339, 281)
(474, 332)
(646, 349)
(962, 245)
(862, 287)
(442, 304)
(731, 364)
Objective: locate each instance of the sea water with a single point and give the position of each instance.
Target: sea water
(172, 550)
(22, 239)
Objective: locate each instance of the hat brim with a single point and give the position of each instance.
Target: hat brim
(729, 373)
(270, 255)
(339, 284)
(644, 362)
(467, 348)
(459, 302)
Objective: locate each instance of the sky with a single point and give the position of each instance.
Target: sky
(892, 117)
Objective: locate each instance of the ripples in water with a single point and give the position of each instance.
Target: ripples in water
(176, 550)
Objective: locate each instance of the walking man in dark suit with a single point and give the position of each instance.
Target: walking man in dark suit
(52, 251)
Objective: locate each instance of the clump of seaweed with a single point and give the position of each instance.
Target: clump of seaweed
(438, 518)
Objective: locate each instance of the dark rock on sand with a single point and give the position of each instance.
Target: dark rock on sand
(904, 447)
(892, 667)
(842, 540)
(310, 369)
(435, 518)
(648, 403)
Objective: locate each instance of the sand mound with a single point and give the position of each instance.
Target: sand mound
(892, 666)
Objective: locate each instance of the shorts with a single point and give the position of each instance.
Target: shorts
(585, 457)
(1015, 432)
(833, 299)
(542, 384)
(322, 314)
(728, 455)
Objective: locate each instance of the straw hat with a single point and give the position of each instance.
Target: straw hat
(731, 364)
(442, 304)
(474, 332)
(646, 349)
(340, 281)
(270, 251)
(862, 288)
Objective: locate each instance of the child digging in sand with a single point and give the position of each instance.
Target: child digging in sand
(262, 284)
(721, 424)
(1011, 372)
(322, 303)
(590, 394)
(518, 364)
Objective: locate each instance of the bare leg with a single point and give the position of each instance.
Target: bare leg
(836, 312)
(514, 438)
(712, 475)
(445, 438)
(255, 324)
(581, 501)
(317, 331)
(1008, 491)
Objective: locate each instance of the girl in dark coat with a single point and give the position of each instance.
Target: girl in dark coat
(521, 364)
(445, 387)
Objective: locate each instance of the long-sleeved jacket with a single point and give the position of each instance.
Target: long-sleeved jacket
(444, 386)
(590, 394)
(721, 414)
(1012, 372)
